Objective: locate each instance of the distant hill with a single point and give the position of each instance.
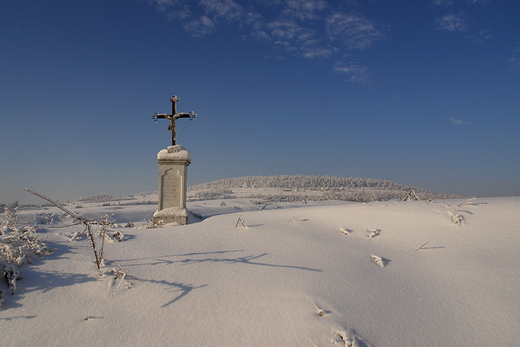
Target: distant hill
(301, 187)
(281, 188)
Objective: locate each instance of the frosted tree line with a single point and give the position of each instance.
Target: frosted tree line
(332, 188)
(301, 182)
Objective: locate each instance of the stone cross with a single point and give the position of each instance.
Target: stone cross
(174, 116)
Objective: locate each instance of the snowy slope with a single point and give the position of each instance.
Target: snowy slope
(296, 276)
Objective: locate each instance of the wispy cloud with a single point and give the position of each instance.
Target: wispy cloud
(295, 39)
(200, 27)
(514, 61)
(227, 10)
(289, 30)
(482, 36)
(452, 2)
(165, 4)
(176, 9)
(452, 22)
(313, 52)
(478, 2)
(445, 3)
(457, 121)
(311, 29)
(304, 9)
(356, 72)
(356, 32)
(458, 22)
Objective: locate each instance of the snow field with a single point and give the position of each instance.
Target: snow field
(292, 277)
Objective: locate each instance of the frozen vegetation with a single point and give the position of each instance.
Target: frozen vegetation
(324, 273)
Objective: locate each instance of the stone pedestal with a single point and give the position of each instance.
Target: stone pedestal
(173, 163)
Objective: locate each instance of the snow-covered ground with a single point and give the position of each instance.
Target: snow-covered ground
(329, 273)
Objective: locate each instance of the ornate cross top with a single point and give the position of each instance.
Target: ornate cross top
(172, 117)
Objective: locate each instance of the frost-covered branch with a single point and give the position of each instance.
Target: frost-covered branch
(89, 228)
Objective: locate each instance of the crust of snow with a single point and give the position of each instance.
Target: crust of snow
(175, 153)
(291, 278)
(171, 212)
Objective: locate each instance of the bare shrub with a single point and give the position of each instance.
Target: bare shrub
(100, 226)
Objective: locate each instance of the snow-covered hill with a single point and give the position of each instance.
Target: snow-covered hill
(300, 187)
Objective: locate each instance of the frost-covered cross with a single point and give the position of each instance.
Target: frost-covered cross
(174, 116)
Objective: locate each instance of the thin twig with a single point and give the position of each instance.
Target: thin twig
(61, 226)
(467, 201)
(53, 202)
(240, 221)
(421, 246)
(121, 273)
(127, 275)
(82, 220)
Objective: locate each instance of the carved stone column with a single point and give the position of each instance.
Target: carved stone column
(173, 164)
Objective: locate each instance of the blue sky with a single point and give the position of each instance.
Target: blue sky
(422, 93)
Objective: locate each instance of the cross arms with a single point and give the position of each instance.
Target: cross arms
(190, 115)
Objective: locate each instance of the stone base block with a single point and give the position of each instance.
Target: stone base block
(171, 215)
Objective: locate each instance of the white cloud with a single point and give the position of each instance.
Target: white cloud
(447, 3)
(304, 9)
(228, 10)
(176, 9)
(356, 32)
(479, 2)
(313, 52)
(514, 63)
(286, 47)
(457, 121)
(287, 29)
(357, 72)
(295, 21)
(163, 4)
(452, 22)
(260, 35)
(309, 29)
(443, 2)
(303, 41)
(297, 39)
(200, 27)
(482, 36)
